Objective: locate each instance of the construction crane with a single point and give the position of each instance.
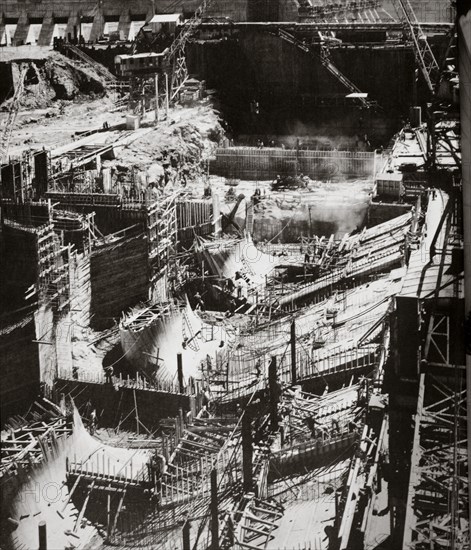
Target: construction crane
(424, 57)
(432, 71)
(175, 55)
(12, 114)
(327, 63)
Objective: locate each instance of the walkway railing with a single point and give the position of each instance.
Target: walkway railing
(137, 383)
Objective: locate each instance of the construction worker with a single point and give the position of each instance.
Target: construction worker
(241, 285)
(109, 374)
(209, 363)
(206, 397)
(230, 285)
(153, 467)
(199, 302)
(258, 369)
(352, 427)
(256, 196)
(93, 421)
(335, 426)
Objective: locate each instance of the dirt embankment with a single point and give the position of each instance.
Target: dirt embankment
(60, 97)
(173, 152)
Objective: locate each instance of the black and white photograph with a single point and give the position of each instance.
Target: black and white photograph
(235, 274)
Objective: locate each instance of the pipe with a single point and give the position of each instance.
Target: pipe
(186, 536)
(214, 511)
(42, 535)
(293, 353)
(247, 453)
(180, 372)
(273, 392)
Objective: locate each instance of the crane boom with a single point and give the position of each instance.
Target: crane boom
(424, 56)
(326, 61)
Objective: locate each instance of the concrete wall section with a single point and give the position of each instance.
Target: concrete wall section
(158, 291)
(17, 264)
(382, 212)
(279, 63)
(263, 10)
(19, 360)
(6, 80)
(296, 94)
(119, 279)
(288, 10)
(53, 335)
(113, 405)
(80, 288)
(33, 9)
(45, 328)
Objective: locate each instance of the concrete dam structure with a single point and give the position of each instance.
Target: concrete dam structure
(234, 274)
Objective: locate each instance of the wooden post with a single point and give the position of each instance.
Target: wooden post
(177, 429)
(230, 531)
(293, 353)
(166, 94)
(42, 535)
(136, 410)
(247, 453)
(274, 393)
(186, 535)
(108, 516)
(337, 510)
(165, 447)
(156, 98)
(193, 404)
(180, 372)
(214, 511)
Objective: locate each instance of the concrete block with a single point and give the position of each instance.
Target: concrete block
(133, 122)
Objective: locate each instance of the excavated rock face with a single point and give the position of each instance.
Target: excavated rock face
(68, 80)
(55, 78)
(61, 82)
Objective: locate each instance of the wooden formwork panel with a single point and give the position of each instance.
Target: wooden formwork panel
(119, 278)
(267, 163)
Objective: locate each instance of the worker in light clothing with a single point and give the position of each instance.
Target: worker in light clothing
(93, 421)
(241, 286)
(199, 302)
